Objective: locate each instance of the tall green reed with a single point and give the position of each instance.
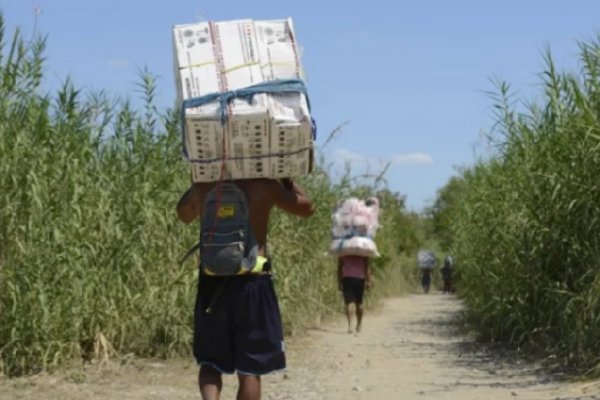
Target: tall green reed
(524, 223)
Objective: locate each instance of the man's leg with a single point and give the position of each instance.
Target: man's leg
(211, 335)
(348, 294)
(359, 291)
(210, 382)
(258, 337)
(348, 316)
(426, 282)
(359, 316)
(249, 387)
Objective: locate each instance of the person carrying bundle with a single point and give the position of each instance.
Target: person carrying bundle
(354, 225)
(237, 323)
(426, 262)
(354, 276)
(246, 129)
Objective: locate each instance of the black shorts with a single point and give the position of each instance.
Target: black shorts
(353, 290)
(242, 332)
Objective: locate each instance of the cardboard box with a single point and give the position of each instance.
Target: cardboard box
(271, 136)
(291, 135)
(246, 135)
(237, 53)
(248, 138)
(278, 50)
(193, 44)
(209, 172)
(292, 165)
(195, 62)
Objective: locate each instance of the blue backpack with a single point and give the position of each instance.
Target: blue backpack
(227, 244)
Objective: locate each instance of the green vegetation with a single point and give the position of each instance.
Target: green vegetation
(89, 239)
(524, 223)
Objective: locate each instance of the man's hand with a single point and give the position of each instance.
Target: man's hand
(290, 197)
(189, 206)
(369, 284)
(340, 287)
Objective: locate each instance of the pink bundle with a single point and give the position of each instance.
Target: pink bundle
(355, 223)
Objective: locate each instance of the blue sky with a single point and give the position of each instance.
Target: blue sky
(409, 77)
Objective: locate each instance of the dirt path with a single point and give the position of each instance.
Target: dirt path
(406, 351)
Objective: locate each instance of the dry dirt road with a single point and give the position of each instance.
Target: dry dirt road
(407, 350)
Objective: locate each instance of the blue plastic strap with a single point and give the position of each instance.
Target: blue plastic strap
(224, 98)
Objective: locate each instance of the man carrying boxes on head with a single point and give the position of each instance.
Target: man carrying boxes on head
(354, 225)
(247, 129)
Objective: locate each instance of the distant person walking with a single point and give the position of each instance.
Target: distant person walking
(426, 262)
(354, 275)
(426, 279)
(447, 271)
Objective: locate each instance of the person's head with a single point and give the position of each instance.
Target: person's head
(371, 201)
(448, 261)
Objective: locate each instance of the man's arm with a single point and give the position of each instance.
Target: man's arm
(290, 197)
(189, 206)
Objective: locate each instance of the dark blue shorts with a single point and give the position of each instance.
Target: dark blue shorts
(242, 331)
(353, 290)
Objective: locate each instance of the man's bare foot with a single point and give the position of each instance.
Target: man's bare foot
(358, 328)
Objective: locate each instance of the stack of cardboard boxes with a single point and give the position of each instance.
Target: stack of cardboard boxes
(269, 136)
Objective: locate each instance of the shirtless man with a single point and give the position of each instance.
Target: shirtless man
(242, 331)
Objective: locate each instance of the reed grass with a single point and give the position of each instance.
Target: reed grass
(524, 223)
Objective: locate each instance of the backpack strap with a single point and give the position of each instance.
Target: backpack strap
(191, 251)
